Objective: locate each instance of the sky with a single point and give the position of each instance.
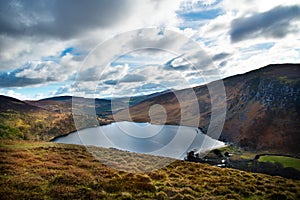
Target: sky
(107, 49)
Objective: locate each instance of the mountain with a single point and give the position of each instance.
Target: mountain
(263, 109)
(63, 104)
(56, 104)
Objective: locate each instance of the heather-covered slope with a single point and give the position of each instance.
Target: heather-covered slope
(31, 170)
(20, 120)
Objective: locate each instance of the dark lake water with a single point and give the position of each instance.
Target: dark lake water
(162, 140)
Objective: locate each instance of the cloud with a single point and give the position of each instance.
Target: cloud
(70, 19)
(12, 93)
(215, 36)
(31, 30)
(40, 72)
(275, 23)
(10, 80)
(16, 52)
(62, 19)
(125, 80)
(220, 56)
(177, 63)
(129, 78)
(172, 73)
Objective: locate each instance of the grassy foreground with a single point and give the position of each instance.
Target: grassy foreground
(39, 170)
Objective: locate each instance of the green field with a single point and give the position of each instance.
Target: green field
(284, 160)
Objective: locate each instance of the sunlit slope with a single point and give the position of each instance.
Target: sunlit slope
(20, 120)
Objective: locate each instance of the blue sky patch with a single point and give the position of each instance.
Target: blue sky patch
(201, 15)
(266, 45)
(67, 50)
(260, 46)
(70, 50)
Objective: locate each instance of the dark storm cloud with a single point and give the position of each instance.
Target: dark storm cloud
(275, 23)
(59, 18)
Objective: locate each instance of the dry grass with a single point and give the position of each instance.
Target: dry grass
(36, 170)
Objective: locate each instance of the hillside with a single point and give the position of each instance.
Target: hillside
(9, 103)
(39, 170)
(263, 109)
(21, 120)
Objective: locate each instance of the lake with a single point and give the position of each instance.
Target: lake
(161, 140)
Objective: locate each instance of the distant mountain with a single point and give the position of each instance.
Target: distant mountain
(56, 104)
(63, 104)
(51, 117)
(263, 109)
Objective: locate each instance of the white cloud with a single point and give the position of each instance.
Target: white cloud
(40, 41)
(12, 93)
(51, 70)
(15, 52)
(247, 8)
